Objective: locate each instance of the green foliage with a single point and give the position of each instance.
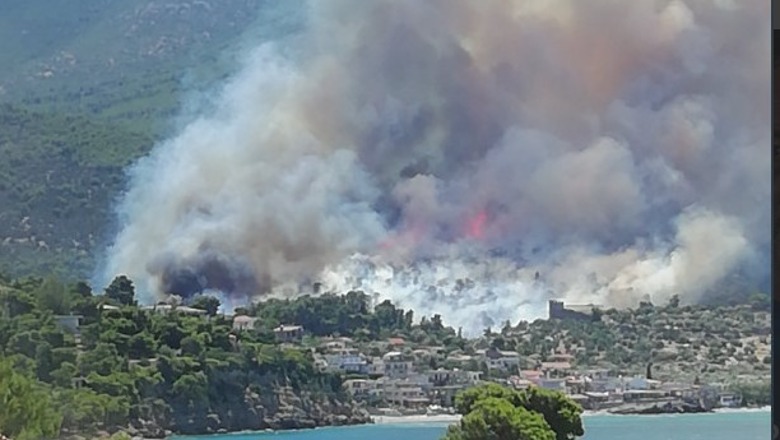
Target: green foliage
(498, 419)
(134, 364)
(208, 303)
(757, 393)
(87, 87)
(491, 411)
(26, 409)
(121, 290)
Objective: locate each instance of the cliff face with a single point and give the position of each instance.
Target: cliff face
(279, 409)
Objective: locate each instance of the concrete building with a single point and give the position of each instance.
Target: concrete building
(501, 360)
(69, 323)
(557, 310)
(397, 365)
(348, 361)
(288, 333)
(243, 322)
(165, 309)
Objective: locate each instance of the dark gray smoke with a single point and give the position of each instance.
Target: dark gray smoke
(618, 149)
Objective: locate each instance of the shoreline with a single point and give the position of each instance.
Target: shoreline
(453, 418)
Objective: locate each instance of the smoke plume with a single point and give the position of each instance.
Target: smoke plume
(472, 158)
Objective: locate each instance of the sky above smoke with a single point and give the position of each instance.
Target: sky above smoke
(472, 159)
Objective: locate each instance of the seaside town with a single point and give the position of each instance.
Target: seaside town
(394, 377)
(183, 366)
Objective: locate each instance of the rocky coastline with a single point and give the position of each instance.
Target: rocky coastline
(677, 407)
(284, 409)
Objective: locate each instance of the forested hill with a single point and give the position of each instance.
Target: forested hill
(86, 87)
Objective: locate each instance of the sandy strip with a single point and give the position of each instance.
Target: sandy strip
(397, 420)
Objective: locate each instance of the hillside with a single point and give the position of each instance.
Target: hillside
(88, 86)
(57, 181)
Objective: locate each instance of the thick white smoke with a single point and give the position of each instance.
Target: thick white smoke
(473, 159)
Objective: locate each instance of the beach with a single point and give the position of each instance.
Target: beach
(452, 418)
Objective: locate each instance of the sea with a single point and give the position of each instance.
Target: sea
(727, 425)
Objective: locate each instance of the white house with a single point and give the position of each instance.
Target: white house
(69, 323)
(396, 364)
(501, 360)
(552, 384)
(243, 322)
(347, 361)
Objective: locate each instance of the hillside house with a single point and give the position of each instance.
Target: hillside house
(442, 377)
(396, 364)
(69, 323)
(406, 394)
(606, 384)
(558, 310)
(364, 389)
(289, 333)
(346, 361)
(165, 309)
(644, 395)
(243, 322)
(396, 343)
(519, 383)
(501, 360)
(730, 400)
(376, 367)
(333, 345)
(641, 383)
(555, 369)
(552, 384)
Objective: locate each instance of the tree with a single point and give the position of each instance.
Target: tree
(121, 290)
(26, 409)
(561, 414)
(498, 419)
(52, 296)
(208, 303)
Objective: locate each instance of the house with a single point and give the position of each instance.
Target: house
(364, 389)
(730, 400)
(644, 395)
(243, 322)
(396, 364)
(597, 374)
(519, 383)
(607, 384)
(69, 323)
(552, 384)
(165, 309)
(642, 383)
(347, 361)
(561, 357)
(288, 333)
(596, 401)
(557, 310)
(460, 359)
(575, 385)
(396, 342)
(501, 360)
(376, 367)
(336, 344)
(555, 368)
(442, 377)
(406, 394)
(445, 395)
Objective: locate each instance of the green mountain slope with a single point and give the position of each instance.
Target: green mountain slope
(57, 180)
(86, 87)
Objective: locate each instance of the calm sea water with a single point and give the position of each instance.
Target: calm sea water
(751, 425)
